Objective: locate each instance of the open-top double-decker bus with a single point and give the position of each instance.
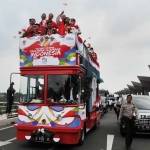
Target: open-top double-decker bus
(59, 100)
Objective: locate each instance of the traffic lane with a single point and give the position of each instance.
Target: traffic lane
(143, 144)
(17, 145)
(92, 141)
(110, 126)
(140, 141)
(95, 139)
(7, 132)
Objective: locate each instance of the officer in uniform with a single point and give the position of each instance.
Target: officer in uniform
(127, 115)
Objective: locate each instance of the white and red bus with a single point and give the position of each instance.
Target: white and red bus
(59, 100)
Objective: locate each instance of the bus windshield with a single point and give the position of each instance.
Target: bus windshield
(63, 88)
(32, 89)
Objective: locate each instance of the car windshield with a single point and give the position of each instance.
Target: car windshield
(63, 88)
(142, 102)
(32, 89)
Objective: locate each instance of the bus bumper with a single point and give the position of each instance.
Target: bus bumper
(46, 134)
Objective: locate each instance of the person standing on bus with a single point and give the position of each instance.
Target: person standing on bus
(29, 31)
(10, 98)
(127, 115)
(60, 20)
(43, 24)
(51, 21)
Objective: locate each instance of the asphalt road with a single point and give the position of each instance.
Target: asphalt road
(99, 139)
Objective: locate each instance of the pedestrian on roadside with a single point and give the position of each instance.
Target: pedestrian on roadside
(127, 115)
(110, 104)
(10, 98)
(117, 107)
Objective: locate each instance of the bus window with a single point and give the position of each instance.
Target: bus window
(32, 89)
(63, 88)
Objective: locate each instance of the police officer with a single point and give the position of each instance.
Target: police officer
(127, 115)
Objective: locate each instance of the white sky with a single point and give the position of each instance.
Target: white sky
(119, 31)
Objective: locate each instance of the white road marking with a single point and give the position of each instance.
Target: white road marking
(110, 139)
(2, 143)
(10, 140)
(6, 128)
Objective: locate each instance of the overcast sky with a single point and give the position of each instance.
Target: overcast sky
(119, 31)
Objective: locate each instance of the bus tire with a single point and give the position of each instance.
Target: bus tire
(82, 137)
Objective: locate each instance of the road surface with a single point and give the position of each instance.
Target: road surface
(106, 137)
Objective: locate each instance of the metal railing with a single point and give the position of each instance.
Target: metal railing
(3, 106)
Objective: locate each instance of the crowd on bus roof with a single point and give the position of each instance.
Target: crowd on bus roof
(61, 26)
(48, 26)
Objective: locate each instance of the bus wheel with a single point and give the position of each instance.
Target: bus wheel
(82, 137)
